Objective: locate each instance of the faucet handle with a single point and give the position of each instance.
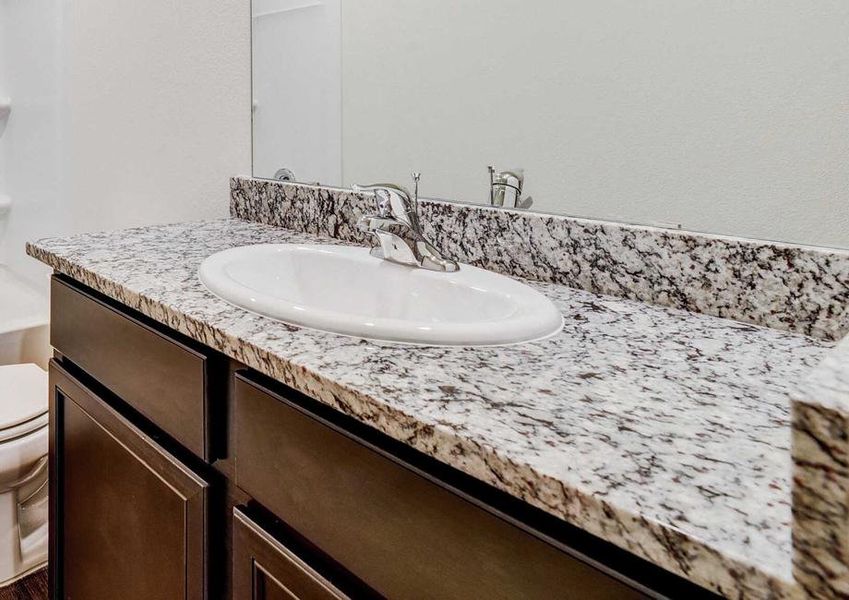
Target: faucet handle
(383, 195)
(392, 201)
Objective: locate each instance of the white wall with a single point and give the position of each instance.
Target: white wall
(159, 92)
(126, 113)
(730, 117)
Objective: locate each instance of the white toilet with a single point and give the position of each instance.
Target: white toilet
(23, 424)
(23, 470)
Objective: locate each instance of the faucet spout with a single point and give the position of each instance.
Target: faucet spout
(396, 230)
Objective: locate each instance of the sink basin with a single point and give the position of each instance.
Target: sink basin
(345, 290)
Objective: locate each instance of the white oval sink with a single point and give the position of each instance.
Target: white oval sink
(345, 290)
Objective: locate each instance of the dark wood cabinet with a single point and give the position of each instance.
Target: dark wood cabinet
(265, 569)
(392, 525)
(177, 473)
(164, 377)
(128, 519)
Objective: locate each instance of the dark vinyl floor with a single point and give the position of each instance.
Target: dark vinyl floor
(32, 587)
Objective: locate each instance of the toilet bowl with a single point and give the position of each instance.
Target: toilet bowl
(23, 471)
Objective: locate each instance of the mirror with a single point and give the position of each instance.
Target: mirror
(722, 117)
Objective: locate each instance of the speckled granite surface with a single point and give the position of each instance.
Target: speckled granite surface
(665, 432)
(794, 288)
(820, 418)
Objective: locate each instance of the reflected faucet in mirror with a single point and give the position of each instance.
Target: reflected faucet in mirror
(505, 188)
(396, 229)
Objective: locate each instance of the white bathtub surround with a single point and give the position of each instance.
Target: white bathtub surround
(24, 315)
(32, 154)
(663, 431)
(793, 288)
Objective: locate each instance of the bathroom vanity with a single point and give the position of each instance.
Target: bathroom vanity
(172, 464)
(203, 451)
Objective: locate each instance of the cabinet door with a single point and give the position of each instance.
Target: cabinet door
(265, 569)
(393, 526)
(130, 517)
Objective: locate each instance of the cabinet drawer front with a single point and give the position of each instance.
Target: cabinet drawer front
(390, 524)
(127, 518)
(265, 569)
(161, 378)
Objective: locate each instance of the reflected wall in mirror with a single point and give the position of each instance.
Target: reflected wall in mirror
(723, 117)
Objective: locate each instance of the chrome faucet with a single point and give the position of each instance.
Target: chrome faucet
(396, 228)
(505, 188)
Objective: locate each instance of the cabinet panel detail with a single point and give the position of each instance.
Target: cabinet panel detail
(265, 569)
(129, 519)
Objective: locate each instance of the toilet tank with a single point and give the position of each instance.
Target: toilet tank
(24, 320)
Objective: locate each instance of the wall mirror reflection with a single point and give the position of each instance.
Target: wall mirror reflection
(723, 117)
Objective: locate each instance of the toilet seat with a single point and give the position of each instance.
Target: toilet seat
(23, 400)
(12, 433)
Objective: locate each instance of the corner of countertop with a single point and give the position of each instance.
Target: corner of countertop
(820, 440)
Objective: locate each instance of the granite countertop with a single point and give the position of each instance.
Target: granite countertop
(662, 431)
